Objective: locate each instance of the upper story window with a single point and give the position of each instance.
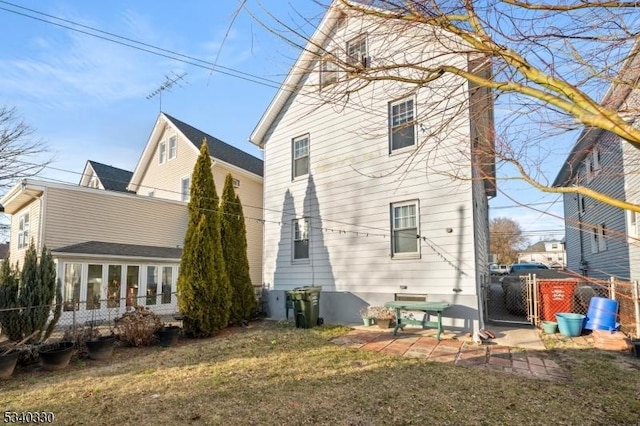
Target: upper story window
(554, 246)
(162, 152)
(185, 188)
(301, 239)
(23, 230)
(402, 132)
(328, 70)
(592, 164)
(581, 204)
(173, 146)
(634, 222)
(404, 233)
(236, 183)
(94, 182)
(598, 238)
(300, 156)
(357, 52)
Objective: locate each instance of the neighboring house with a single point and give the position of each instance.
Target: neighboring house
(551, 253)
(340, 210)
(100, 176)
(106, 244)
(602, 240)
(116, 247)
(165, 167)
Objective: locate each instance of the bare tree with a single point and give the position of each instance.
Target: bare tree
(20, 153)
(548, 68)
(506, 239)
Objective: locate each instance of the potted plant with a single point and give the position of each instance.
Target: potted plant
(367, 319)
(168, 335)
(383, 316)
(55, 356)
(99, 347)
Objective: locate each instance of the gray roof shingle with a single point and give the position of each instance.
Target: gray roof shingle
(112, 178)
(116, 249)
(220, 150)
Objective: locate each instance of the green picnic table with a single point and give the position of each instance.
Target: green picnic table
(427, 307)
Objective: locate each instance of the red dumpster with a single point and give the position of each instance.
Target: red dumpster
(556, 296)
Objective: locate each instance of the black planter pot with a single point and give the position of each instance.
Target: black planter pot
(169, 335)
(636, 348)
(8, 364)
(101, 348)
(55, 356)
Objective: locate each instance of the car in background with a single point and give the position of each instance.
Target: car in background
(526, 267)
(497, 269)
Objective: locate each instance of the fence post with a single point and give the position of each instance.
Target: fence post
(636, 304)
(612, 286)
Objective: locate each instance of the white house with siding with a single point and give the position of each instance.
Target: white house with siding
(601, 240)
(118, 244)
(362, 195)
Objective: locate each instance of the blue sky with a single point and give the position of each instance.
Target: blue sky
(87, 97)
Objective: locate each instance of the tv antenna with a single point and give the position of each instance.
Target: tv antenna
(168, 83)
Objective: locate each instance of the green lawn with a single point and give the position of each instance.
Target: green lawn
(274, 374)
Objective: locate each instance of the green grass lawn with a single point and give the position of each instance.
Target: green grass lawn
(274, 374)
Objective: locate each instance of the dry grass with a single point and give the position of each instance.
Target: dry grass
(274, 374)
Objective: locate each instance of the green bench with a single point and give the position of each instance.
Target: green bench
(427, 308)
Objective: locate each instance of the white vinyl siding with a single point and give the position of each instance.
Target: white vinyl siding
(300, 166)
(404, 220)
(23, 231)
(402, 132)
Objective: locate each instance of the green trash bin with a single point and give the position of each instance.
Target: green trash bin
(306, 305)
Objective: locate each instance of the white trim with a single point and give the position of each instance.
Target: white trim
(173, 138)
(185, 198)
(393, 206)
(307, 230)
(390, 126)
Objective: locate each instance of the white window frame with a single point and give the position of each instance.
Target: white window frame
(397, 126)
(405, 254)
(634, 220)
(172, 147)
(581, 204)
(300, 234)
(594, 239)
(23, 230)
(162, 152)
(328, 70)
(236, 182)
(596, 165)
(299, 154)
(185, 195)
(602, 237)
(358, 52)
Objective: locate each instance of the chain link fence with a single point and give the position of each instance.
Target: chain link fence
(101, 315)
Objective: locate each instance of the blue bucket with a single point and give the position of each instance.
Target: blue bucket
(569, 324)
(602, 314)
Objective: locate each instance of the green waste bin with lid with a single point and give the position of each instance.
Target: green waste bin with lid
(306, 305)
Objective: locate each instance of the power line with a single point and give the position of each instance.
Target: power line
(145, 47)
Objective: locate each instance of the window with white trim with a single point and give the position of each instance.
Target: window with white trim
(23, 230)
(357, 52)
(634, 220)
(328, 70)
(402, 132)
(236, 182)
(300, 149)
(602, 237)
(594, 239)
(581, 204)
(404, 231)
(71, 286)
(162, 152)
(173, 146)
(185, 188)
(301, 239)
(595, 161)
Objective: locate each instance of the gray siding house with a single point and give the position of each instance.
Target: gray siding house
(602, 240)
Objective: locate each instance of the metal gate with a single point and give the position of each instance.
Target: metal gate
(511, 300)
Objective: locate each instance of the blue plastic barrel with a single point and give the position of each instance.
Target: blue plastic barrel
(602, 314)
(570, 324)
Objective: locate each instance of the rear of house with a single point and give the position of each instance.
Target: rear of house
(357, 199)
